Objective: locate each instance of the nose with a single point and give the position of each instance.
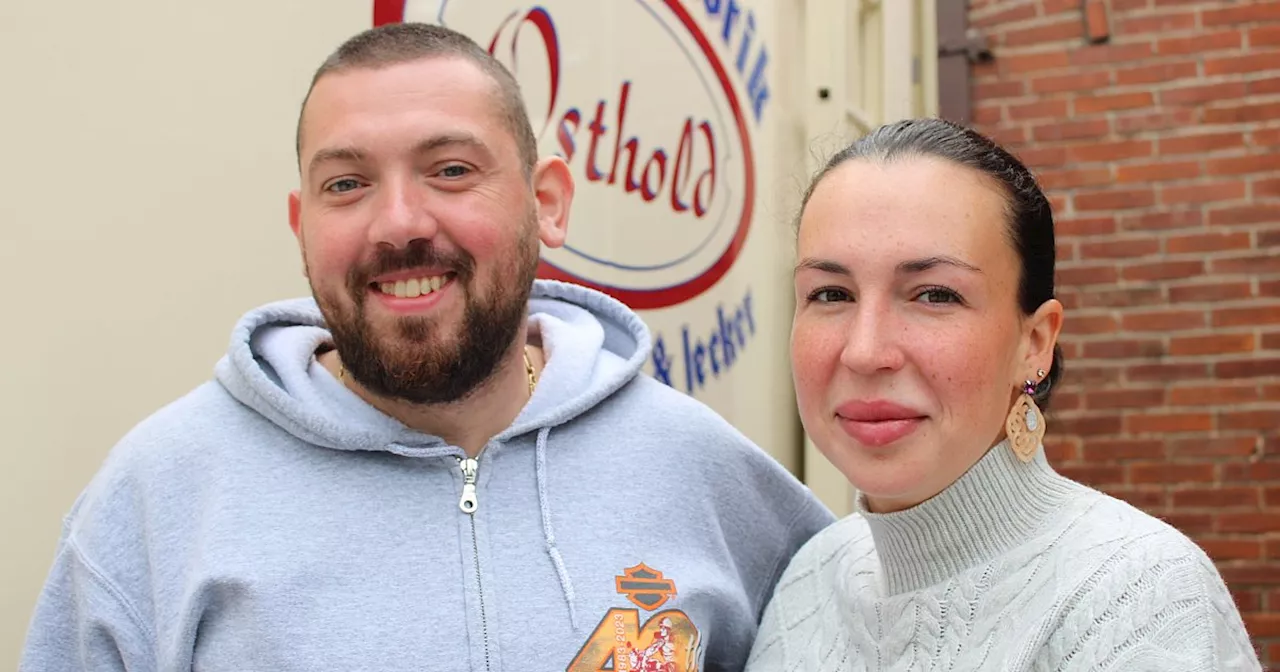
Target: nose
(402, 213)
(874, 342)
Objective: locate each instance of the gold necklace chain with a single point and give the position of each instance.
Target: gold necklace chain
(528, 369)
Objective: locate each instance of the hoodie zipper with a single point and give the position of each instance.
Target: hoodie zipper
(468, 504)
(469, 468)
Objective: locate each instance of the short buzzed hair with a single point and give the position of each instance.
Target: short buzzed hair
(397, 43)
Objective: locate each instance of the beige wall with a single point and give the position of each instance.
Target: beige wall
(148, 151)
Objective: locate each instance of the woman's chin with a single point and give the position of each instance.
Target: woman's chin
(889, 478)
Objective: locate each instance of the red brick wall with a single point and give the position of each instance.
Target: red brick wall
(1160, 149)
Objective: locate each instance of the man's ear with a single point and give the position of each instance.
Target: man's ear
(553, 190)
(295, 224)
(295, 213)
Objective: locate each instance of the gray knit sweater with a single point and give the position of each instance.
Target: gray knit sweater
(1013, 567)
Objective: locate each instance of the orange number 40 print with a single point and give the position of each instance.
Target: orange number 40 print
(668, 642)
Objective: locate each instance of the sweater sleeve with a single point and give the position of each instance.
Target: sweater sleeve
(780, 622)
(1155, 606)
(801, 628)
(82, 623)
(1232, 648)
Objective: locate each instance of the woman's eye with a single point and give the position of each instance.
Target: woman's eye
(939, 295)
(829, 295)
(343, 185)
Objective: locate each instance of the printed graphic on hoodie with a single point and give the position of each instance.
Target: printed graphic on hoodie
(667, 641)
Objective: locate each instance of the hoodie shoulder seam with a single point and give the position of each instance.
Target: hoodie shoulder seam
(99, 577)
(783, 557)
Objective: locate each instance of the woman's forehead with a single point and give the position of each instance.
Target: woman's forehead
(907, 208)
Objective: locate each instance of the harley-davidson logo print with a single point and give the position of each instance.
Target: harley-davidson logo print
(646, 588)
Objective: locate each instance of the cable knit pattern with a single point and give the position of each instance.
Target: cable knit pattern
(1013, 567)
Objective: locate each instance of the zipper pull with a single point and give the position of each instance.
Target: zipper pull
(469, 501)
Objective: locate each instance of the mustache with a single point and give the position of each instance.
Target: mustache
(418, 254)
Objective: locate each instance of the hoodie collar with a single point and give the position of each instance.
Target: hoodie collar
(593, 344)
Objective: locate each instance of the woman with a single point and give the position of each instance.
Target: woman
(924, 345)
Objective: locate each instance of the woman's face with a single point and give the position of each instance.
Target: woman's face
(908, 346)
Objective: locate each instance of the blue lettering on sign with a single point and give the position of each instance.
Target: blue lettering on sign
(740, 28)
(704, 356)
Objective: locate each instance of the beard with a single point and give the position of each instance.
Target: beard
(422, 359)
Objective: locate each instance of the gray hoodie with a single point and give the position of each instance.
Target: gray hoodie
(271, 520)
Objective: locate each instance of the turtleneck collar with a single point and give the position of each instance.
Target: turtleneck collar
(993, 507)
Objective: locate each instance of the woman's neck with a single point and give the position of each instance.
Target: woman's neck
(996, 505)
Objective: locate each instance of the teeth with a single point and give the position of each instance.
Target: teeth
(413, 288)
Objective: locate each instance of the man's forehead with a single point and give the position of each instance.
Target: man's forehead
(436, 86)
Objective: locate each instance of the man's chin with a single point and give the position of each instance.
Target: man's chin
(400, 377)
(388, 332)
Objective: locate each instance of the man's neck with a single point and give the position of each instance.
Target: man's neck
(469, 423)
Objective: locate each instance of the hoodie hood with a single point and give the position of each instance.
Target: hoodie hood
(593, 346)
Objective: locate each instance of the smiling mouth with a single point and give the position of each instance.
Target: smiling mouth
(413, 287)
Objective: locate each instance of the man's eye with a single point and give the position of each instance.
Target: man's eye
(829, 295)
(343, 185)
(455, 170)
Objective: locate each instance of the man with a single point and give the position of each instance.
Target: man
(439, 463)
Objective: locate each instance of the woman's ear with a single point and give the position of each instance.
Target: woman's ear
(1040, 333)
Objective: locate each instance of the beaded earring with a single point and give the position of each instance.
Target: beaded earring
(1025, 425)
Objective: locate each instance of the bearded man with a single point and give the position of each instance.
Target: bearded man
(437, 462)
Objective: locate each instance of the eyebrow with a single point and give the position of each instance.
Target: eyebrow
(823, 265)
(450, 139)
(329, 154)
(922, 265)
(908, 267)
(353, 155)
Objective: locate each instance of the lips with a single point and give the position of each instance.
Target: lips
(878, 423)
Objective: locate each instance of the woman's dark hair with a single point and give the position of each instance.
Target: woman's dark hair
(1030, 220)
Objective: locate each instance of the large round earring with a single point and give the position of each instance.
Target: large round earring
(1025, 425)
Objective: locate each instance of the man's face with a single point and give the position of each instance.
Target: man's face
(418, 227)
